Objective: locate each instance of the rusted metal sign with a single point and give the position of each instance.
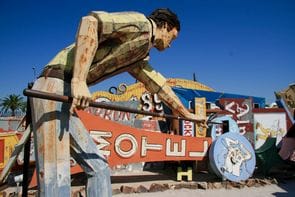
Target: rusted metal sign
(126, 118)
(122, 144)
(241, 112)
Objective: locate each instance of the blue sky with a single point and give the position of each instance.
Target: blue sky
(234, 46)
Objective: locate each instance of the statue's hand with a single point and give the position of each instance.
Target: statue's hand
(81, 95)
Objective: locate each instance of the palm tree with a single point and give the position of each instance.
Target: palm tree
(13, 103)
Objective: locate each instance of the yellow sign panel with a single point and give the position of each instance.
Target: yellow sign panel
(200, 111)
(7, 143)
(135, 91)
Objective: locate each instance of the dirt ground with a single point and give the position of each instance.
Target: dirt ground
(279, 190)
(281, 183)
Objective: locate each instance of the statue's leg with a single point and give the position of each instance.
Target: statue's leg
(84, 151)
(51, 139)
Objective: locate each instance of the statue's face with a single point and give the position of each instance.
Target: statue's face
(165, 39)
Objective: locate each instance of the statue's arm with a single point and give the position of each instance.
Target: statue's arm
(85, 49)
(156, 83)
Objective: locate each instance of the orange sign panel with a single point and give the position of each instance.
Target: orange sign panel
(122, 144)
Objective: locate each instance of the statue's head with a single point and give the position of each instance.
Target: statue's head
(168, 27)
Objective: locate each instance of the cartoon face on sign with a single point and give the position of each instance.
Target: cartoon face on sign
(237, 155)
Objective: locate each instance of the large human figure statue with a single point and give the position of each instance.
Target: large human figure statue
(106, 44)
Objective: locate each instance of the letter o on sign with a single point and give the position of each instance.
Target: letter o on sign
(130, 152)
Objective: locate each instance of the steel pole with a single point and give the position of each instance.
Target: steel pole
(104, 105)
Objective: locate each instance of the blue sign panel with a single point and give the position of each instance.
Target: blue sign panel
(218, 129)
(188, 95)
